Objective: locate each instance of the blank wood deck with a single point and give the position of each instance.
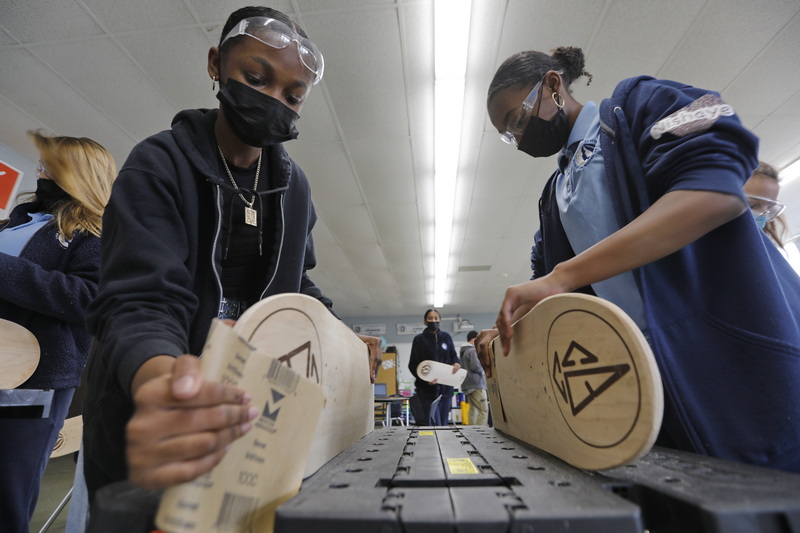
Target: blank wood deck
(19, 354)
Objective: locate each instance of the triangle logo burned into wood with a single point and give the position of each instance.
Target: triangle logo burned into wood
(585, 384)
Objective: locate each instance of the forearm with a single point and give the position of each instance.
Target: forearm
(674, 221)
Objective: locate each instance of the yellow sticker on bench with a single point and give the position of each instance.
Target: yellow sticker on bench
(428, 433)
(462, 466)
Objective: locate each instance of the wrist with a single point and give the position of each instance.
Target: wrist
(564, 277)
(152, 368)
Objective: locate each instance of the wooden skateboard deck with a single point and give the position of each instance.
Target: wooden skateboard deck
(311, 341)
(580, 382)
(19, 354)
(429, 370)
(309, 376)
(69, 438)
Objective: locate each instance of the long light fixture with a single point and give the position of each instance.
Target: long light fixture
(451, 20)
(790, 173)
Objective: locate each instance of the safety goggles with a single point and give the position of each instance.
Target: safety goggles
(517, 121)
(764, 207)
(41, 170)
(278, 35)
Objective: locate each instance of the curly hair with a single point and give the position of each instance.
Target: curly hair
(524, 69)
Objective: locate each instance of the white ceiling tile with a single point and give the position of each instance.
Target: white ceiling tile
(217, 11)
(384, 169)
(139, 15)
(487, 220)
(6, 39)
(15, 125)
(342, 5)
(317, 122)
(39, 92)
(328, 171)
(546, 25)
(350, 224)
(176, 62)
(778, 135)
(364, 256)
(32, 21)
(396, 222)
(110, 87)
(725, 37)
(770, 65)
(635, 38)
(367, 88)
(405, 260)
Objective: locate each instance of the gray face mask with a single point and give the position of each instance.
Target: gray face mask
(432, 326)
(256, 118)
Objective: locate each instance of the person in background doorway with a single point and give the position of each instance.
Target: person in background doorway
(646, 209)
(50, 262)
(474, 385)
(762, 193)
(433, 344)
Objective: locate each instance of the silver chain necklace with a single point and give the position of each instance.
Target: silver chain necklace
(249, 212)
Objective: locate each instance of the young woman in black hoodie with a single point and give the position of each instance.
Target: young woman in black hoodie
(206, 219)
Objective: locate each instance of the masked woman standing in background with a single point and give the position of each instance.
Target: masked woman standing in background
(50, 262)
(433, 344)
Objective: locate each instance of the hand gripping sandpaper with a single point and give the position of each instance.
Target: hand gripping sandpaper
(580, 382)
(309, 376)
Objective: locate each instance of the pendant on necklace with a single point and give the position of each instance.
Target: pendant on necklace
(250, 216)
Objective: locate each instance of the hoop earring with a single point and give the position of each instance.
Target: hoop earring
(213, 83)
(560, 101)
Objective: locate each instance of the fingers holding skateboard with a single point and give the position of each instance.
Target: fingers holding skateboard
(483, 345)
(375, 355)
(520, 299)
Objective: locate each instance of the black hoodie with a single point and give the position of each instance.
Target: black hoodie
(160, 281)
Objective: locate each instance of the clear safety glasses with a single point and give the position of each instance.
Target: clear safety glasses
(764, 207)
(41, 170)
(518, 119)
(278, 35)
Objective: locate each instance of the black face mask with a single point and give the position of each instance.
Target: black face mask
(49, 193)
(543, 138)
(256, 118)
(432, 326)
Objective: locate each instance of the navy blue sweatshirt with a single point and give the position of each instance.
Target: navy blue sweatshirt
(162, 248)
(46, 289)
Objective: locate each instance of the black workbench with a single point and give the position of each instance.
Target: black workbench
(475, 479)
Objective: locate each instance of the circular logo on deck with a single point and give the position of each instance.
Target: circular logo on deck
(290, 336)
(425, 369)
(594, 378)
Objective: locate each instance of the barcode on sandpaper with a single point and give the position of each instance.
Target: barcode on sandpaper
(236, 512)
(282, 376)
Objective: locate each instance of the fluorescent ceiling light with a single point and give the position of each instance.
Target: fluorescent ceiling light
(451, 39)
(790, 173)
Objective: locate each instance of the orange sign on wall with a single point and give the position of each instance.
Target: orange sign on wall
(9, 177)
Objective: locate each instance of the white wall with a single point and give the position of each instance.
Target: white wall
(790, 195)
